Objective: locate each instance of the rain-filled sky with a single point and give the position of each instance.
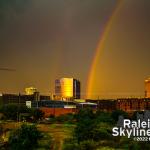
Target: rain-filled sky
(42, 40)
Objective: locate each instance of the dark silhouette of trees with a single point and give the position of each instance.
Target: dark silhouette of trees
(115, 114)
(26, 137)
(37, 114)
(12, 111)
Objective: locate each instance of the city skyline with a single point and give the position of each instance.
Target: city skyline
(45, 40)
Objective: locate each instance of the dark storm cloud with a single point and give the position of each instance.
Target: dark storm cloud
(47, 39)
(42, 20)
(7, 69)
(10, 8)
(44, 37)
(57, 21)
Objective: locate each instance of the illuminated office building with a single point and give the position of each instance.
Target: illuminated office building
(30, 90)
(147, 88)
(67, 89)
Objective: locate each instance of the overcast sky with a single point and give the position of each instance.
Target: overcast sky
(47, 39)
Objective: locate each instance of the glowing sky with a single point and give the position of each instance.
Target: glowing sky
(47, 39)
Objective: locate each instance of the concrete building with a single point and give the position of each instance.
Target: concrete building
(67, 89)
(147, 88)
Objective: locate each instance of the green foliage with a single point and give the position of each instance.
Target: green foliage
(37, 114)
(115, 114)
(9, 111)
(134, 146)
(45, 143)
(12, 111)
(71, 144)
(101, 133)
(86, 114)
(85, 125)
(93, 130)
(88, 127)
(1, 130)
(67, 118)
(92, 126)
(88, 145)
(24, 138)
(104, 117)
(106, 148)
(134, 116)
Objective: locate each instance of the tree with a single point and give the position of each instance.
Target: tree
(26, 137)
(134, 115)
(12, 111)
(68, 118)
(88, 145)
(70, 144)
(37, 114)
(9, 111)
(115, 114)
(85, 124)
(104, 117)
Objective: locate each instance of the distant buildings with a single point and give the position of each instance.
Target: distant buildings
(30, 90)
(147, 88)
(67, 100)
(67, 89)
(21, 98)
(129, 105)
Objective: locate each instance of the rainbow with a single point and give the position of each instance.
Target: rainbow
(100, 47)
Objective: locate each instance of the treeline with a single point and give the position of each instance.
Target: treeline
(27, 136)
(93, 131)
(20, 113)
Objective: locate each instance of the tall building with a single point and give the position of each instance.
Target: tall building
(147, 88)
(67, 89)
(30, 90)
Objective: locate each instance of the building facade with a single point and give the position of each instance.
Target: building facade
(147, 88)
(67, 89)
(21, 98)
(132, 104)
(30, 90)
